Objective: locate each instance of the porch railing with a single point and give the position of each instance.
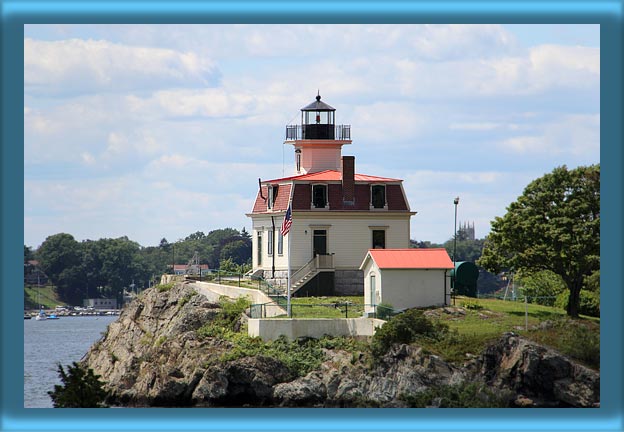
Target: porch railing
(319, 262)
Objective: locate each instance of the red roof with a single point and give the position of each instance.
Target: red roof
(331, 175)
(422, 258)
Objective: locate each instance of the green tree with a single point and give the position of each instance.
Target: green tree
(239, 251)
(60, 258)
(81, 388)
(554, 225)
(542, 287)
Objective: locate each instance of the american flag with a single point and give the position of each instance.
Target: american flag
(287, 222)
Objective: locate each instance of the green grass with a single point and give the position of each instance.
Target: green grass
(47, 297)
(485, 320)
(327, 307)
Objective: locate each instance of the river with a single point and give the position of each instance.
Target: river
(50, 342)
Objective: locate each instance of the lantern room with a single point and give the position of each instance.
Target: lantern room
(317, 120)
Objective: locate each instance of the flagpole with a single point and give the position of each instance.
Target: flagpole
(288, 307)
(285, 230)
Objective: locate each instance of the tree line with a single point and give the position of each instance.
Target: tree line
(103, 268)
(549, 239)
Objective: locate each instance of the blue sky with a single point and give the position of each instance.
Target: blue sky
(155, 131)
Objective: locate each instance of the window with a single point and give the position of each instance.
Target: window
(372, 290)
(259, 250)
(273, 190)
(379, 239)
(270, 242)
(319, 196)
(378, 196)
(298, 160)
(280, 243)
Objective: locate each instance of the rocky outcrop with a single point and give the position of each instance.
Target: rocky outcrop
(540, 376)
(153, 356)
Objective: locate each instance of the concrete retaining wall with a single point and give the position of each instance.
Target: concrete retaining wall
(213, 291)
(271, 329)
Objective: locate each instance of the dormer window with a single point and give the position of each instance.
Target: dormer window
(319, 196)
(272, 196)
(378, 197)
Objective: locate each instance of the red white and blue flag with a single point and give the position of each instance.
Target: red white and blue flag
(287, 222)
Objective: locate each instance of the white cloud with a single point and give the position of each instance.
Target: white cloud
(78, 66)
(568, 136)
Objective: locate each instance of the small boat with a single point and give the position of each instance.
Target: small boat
(52, 316)
(41, 316)
(27, 317)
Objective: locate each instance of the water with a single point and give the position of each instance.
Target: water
(50, 342)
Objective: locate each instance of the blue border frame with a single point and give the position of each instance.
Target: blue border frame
(607, 13)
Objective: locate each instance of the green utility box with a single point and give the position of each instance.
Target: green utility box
(466, 282)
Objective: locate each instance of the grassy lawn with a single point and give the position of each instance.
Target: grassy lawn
(47, 297)
(327, 307)
(476, 322)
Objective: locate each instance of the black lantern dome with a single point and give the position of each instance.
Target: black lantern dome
(318, 120)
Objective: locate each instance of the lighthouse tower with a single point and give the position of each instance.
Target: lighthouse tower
(317, 140)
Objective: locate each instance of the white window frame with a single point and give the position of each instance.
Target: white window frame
(385, 206)
(280, 243)
(312, 207)
(270, 238)
(383, 228)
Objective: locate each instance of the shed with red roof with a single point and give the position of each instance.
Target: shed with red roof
(406, 278)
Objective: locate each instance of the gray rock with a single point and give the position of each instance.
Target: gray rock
(153, 356)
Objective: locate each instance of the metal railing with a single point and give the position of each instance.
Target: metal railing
(319, 262)
(339, 309)
(295, 132)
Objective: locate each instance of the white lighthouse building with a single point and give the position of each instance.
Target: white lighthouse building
(337, 214)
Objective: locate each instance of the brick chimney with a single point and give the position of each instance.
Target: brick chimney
(348, 179)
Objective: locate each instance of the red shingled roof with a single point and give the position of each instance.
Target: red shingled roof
(302, 195)
(433, 258)
(331, 175)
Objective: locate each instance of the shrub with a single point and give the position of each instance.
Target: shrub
(81, 389)
(384, 311)
(589, 302)
(164, 287)
(405, 328)
(227, 319)
(472, 305)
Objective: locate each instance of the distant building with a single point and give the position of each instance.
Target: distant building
(100, 303)
(33, 275)
(193, 269)
(466, 231)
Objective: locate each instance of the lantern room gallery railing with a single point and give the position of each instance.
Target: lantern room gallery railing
(318, 131)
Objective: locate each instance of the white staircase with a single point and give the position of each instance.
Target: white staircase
(318, 264)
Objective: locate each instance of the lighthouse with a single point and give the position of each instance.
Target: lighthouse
(337, 214)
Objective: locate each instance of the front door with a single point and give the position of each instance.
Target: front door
(319, 245)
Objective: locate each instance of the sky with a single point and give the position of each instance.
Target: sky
(159, 131)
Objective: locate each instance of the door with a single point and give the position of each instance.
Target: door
(319, 245)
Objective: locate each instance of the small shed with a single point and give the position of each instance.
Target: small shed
(406, 278)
